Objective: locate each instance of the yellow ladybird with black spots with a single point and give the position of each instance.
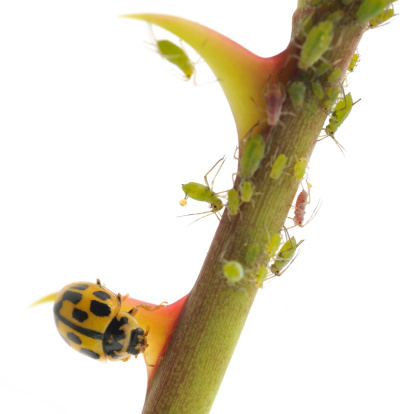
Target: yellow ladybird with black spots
(89, 319)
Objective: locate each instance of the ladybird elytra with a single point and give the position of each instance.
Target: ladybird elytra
(88, 318)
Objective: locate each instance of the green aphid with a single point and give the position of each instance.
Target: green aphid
(299, 169)
(336, 16)
(332, 96)
(370, 9)
(278, 166)
(274, 245)
(177, 56)
(317, 89)
(261, 276)
(253, 252)
(284, 256)
(335, 76)
(233, 271)
(354, 62)
(321, 68)
(382, 18)
(246, 192)
(200, 192)
(253, 152)
(233, 202)
(316, 44)
(297, 91)
(339, 114)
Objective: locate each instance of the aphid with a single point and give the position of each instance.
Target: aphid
(339, 114)
(317, 89)
(321, 68)
(274, 245)
(274, 98)
(177, 56)
(335, 76)
(89, 319)
(302, 201)
(233, 271)
(284, 256)
(278, 166)
(204, 193)
(233, 202)
(252, 253)
(354, 62)
(316, 44)
(382, 18)
(261, 276)
(299, 169)
(332, 96)
(246, 192)
(370, 9)
(297, 91)
(253, 152)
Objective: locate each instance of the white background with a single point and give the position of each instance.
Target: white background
(96, 138)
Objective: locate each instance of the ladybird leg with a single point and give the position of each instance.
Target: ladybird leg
(145, 359)
(151, 308)
(126, 359)
(98, 282)
(133, 311)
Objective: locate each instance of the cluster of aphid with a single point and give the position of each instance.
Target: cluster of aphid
(317, 70)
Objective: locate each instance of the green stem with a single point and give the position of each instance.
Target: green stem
(204, 340)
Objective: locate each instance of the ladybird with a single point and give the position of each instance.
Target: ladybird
(89, 319)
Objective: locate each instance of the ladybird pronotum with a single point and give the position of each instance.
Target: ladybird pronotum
(89, 319)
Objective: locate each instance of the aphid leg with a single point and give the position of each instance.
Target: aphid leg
(205, 177)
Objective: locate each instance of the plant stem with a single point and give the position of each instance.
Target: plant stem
(204, 340)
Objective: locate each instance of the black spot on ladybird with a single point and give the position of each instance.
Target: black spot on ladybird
(81, 286)
(74, 338)
(100, 309)
(100, 294)
(89, 353)
(74, 297)
(79, 315)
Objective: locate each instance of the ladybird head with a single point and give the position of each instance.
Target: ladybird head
(124, 338)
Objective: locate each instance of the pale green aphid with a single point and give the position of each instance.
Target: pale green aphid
(382, 18)
(332, 94)
(200, 192)
(370, 9)
(354, 62)
(335, 76)
(297, 91)
(261, 276)
(321, 68)
(284, 256)
(274, 245)
(246, 192)
(253, 152)
(316, 44)
(317, 89)
(299, 169)
(253, 252)
(177, 56)
(278, 166)
(233, 202)
(340, 113)
(233, 271)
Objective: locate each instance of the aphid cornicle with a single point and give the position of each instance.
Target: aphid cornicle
(89, 319)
